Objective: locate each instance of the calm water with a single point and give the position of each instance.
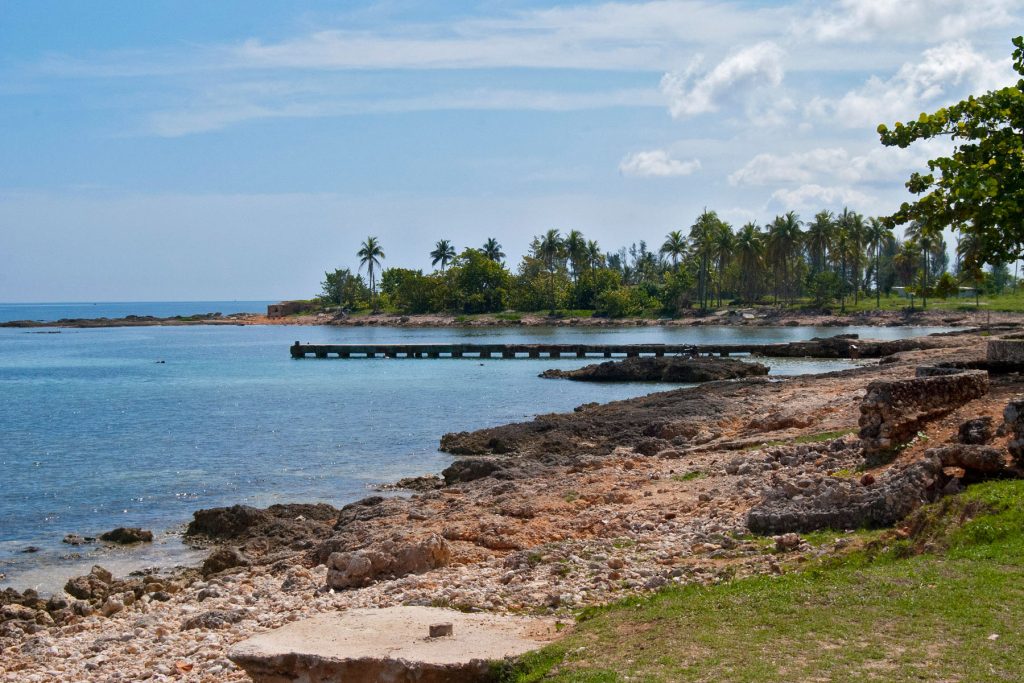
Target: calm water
(118, 309)
(97, 434)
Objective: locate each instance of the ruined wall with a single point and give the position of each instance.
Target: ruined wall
(893, 411)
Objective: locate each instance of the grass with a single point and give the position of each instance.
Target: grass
(945, 604)
(689, 476)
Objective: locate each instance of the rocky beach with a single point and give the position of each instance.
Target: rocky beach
(699, 485)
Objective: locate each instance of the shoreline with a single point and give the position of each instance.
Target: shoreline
(752, 317)
(550, 515)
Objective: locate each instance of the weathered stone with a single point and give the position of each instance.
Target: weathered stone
(127, 536)
(1005, 350)
(971, 457)
(394, 557)
(441, 630)
(665, 369)
(389, 645)
(787, 542)
(893, 411)
(214, 619)
(93, 586)
(845, 504)
(222, 559)
(1013, 422)
(977, 431)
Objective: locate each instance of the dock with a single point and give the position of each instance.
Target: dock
(519, 350)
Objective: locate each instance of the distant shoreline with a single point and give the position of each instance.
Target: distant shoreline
(753, 317)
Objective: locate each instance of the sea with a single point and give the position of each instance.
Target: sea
(141, 426)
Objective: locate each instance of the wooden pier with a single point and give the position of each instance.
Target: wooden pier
(518, 350)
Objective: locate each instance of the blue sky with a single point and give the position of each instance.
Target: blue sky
(236, 150)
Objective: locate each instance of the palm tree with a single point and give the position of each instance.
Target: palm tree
(876, 235)
(594, 257)
(722, 244)
(785, 239)
(550, 249)
(576, 249)
(924, 237)
(702, 234)
(820, 233)
(749, 252)
(857, 229)
(443, 253)
(370, 255)
(674, 246)
(840, 254)
(492, 250)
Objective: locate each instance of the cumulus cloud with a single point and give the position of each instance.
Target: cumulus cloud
(877, 165)
(656, 163)
(814, 196)
(945, 74)
(865, 20)
(693, 91)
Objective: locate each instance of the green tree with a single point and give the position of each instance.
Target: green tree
(750, 260)
(784, 242)
(443, 253)
(674, 246)
(342, 288)
(877, 234)
(819, 236)
(492, 250)
(481, 285)
(550, 249)
(575, 247)
(370, 255)
(980, 186)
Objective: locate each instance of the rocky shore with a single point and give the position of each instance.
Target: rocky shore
(665, 369)
(749, 317)
(551, 514)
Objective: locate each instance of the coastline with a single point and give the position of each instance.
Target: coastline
(550, 515)
(754, 317)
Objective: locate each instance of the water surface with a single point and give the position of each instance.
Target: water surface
(142, 426)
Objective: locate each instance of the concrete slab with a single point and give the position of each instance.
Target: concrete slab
(390, 645)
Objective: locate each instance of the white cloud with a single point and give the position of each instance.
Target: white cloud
(220, 113)
(814, 196)
(877, 165)
(945, 74)
(691, 92)
(865, 20)
(656, 163)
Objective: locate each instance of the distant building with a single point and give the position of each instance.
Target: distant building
(286, 308)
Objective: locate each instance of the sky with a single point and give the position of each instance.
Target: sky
(196, 150)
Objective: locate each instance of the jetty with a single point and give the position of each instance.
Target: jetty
(517, 350)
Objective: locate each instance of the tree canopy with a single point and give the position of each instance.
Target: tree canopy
(979, 188)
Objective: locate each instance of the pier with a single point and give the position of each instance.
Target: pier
(519, 350)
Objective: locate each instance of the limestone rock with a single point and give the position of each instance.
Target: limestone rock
(224, 558)
(394, 557)
(127, 536)
(674, 369)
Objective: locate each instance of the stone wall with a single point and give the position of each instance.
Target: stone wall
(1006, 351)
(893, 411)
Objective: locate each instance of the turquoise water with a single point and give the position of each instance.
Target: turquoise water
(96, 433)
(48, 312)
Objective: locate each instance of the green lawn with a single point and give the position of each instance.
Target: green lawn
(945, 605)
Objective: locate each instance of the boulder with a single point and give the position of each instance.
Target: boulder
(223, 559)
(1013, 421)
(127, 536)
(676, 369)
(214, 619)
(971, 457)
(93, 586)
(394, 557)
(977, 431)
